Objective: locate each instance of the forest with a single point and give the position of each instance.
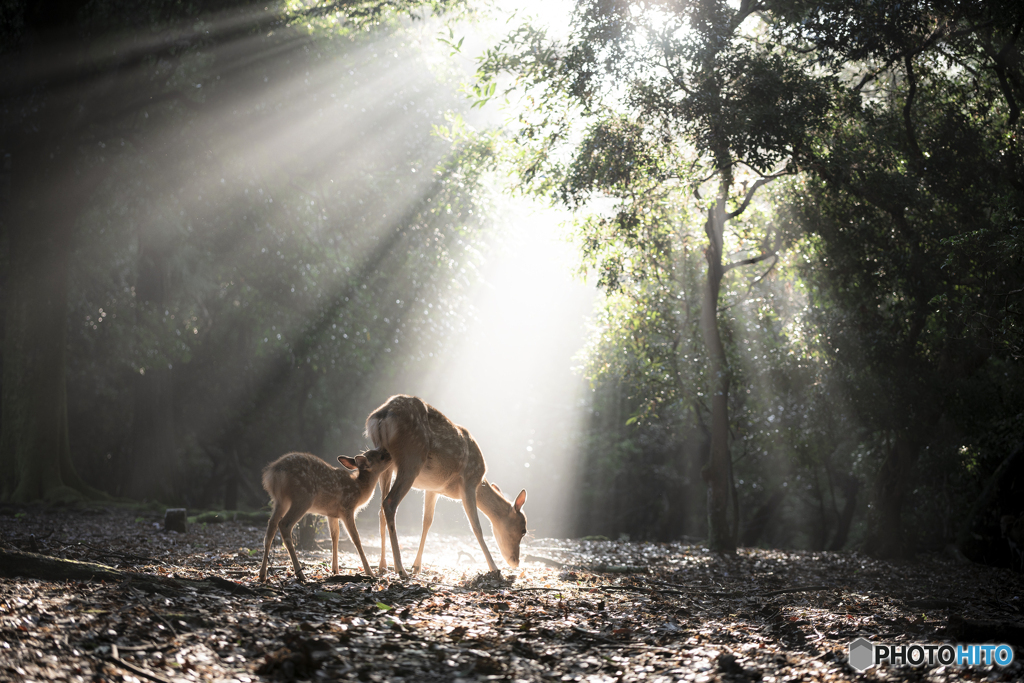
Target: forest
(733, 288)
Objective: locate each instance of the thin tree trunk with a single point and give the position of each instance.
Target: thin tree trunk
(734, 495)
(762, 518)
(234, 474)
(850, 488)
(886, 539)
(307, 533)
(720, 538)
(985, 500)
(153, 466)
(819, 528)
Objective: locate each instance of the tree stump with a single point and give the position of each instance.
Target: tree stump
(176, 519)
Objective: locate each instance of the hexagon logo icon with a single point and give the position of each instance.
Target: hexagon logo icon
(861, 653)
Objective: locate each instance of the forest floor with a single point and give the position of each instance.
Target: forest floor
(587, 611)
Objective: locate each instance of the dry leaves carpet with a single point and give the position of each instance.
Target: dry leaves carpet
(577, 611)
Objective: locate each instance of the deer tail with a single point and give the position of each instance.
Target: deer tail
(397, 420)
(380, 427)
(273, 481)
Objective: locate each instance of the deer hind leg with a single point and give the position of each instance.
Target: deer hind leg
(385, 487)
(294, 514)
(349, 517)
(429, 501)
(332, 524)
(469, 503)
(280, 507)
(399, 488)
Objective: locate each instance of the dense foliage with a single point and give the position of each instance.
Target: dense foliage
(859, 167)
(269, 227)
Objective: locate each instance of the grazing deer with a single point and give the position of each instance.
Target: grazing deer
(431, 453)
(301, 483)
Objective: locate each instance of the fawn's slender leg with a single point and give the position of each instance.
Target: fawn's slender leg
(469, 503)
(294, 514)
(349, 517)
(429, 501)
(385, 487)
(280, 507)
(332, 524)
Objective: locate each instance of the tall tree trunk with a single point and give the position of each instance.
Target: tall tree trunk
(153, 466)
(850, 487)
(762, 518)
(720, 537)
(47, 196)
(818, 531)
(985, 501)
(231, 482)
(886, 538)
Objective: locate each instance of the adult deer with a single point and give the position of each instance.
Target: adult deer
(431, 453)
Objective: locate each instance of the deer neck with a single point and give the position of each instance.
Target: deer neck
(365, 481)
(491, 503)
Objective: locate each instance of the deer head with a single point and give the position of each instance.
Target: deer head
(509, 526)
(374, 460)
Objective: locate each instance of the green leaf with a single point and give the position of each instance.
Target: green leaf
(381, 606)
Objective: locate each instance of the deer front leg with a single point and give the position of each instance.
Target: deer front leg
(349, 517)
(399, 488)
(469, 503)
(429, 501)
(332, 524)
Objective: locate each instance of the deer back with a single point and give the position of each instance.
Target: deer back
(304, 478)
(400, 425)
(408, 427)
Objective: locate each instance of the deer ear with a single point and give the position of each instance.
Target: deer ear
(362, 462)
(520, 500)
(347, 462)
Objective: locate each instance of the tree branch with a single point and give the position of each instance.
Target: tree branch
(908, 122)
(763, 180)
(750, 261)
(868, 77)
(999, 65)
(936, 36)
(747, 7)
(1004, 85)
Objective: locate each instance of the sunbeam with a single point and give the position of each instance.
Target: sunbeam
(706, 317)
(508, 377)
(275, 240)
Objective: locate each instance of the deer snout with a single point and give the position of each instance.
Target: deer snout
(511, 558)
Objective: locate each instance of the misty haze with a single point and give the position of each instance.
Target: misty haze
(713, 313)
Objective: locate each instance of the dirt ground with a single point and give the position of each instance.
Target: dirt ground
(575, 610)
